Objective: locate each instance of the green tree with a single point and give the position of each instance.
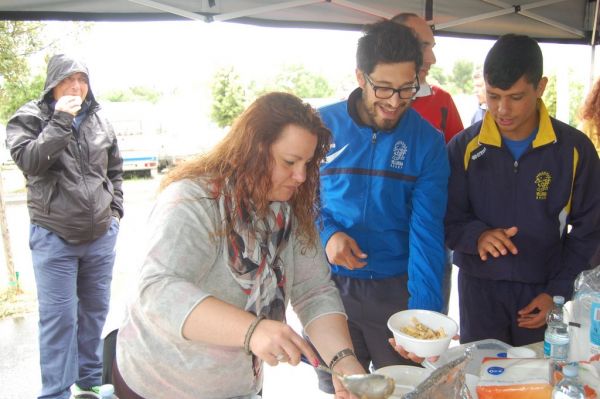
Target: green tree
(575, 101)
(117, 96)
(303, 83)
(18, 40)
(575, 98)
(228, 96)
(549, 95)
(133, 94)
(437, 74)
(19, 93)
(462, 76)
(146, 94)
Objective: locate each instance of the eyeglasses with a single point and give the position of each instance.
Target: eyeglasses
(384, 93)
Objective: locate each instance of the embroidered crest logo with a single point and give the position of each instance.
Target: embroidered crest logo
(400, 150)
(542, 184)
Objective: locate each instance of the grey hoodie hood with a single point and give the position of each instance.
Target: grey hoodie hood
(60, 67)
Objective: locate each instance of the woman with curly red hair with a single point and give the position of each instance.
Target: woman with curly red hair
(590, 125)
(232, 241)
(590, 115)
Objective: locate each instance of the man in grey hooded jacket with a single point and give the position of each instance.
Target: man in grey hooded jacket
(69, 155)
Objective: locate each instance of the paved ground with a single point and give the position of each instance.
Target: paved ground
(19, 369)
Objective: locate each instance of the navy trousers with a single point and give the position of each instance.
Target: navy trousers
(488, 309)
(73, 289)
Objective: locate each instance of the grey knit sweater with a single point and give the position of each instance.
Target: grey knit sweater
(184, 264)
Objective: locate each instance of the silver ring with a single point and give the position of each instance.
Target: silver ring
(281, 358)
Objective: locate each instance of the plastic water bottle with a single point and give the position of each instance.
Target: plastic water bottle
(569, 387)
(556, 337)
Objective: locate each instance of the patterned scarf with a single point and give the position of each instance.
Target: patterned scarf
(254, 247)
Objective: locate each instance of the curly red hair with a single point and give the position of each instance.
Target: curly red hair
(590, 114)
(243, 157)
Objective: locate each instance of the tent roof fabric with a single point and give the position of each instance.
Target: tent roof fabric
(568, 21)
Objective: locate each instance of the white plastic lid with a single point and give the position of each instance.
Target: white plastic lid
(559, 299)
(570, 370)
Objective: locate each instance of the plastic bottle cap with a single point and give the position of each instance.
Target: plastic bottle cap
(570, 370)
(559, 299)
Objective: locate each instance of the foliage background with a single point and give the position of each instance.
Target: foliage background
(18, 40)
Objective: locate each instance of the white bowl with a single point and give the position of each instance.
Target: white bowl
(433, 320)
(406, 377)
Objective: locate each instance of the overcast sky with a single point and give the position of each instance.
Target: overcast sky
(179, 54)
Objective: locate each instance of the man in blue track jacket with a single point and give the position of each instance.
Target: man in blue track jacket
(383, 191)
(523, 213)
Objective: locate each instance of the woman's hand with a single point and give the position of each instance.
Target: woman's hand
(276, 342)
(347, 366)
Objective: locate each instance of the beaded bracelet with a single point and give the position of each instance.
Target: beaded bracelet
(339, 356)
(250, 332)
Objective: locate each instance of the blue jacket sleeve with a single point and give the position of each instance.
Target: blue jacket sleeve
(583, 239)
(461, 226)
(329, 227)
(426, 235)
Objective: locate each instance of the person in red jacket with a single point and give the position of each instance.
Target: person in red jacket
(432, 102)
(435, 106)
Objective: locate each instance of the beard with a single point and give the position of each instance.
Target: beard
(377, 120)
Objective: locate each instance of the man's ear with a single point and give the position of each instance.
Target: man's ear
(541, 87)
(360, 78)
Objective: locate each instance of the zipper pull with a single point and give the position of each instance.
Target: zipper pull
(516, 166)
(374, 137)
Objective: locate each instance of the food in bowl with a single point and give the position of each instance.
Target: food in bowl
(420, 346)
(420, 330)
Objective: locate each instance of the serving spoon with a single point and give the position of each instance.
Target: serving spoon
(365, 386)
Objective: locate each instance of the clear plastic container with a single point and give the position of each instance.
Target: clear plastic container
(479, 350)
(585, 326)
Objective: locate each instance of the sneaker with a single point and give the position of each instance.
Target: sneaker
(80, 393)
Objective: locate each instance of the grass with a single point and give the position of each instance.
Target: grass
(14, 303)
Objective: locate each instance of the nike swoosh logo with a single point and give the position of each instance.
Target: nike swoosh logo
(331, 157)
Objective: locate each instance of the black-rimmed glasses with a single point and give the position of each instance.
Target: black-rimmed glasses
(384, 92)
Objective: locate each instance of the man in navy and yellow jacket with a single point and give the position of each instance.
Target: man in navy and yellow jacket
(523, 212)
